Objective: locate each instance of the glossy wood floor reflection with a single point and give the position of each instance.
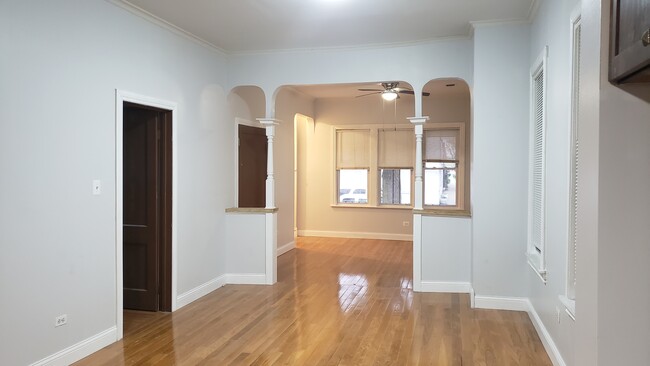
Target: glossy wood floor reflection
(337, 302)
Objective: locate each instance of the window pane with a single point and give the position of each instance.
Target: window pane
(395, 186)
(440, 184)
(353, 186)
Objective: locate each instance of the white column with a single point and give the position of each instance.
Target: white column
(417, 217)
(269, 124)
(419, 188)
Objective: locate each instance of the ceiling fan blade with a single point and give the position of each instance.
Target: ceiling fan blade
(425, 94)
(406, 92)
(377, 90)
(365, 95)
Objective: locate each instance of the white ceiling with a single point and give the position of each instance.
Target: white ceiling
(257, 25)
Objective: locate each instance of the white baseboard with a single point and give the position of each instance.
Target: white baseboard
(551, 349)
(80, 350)
(285, 248)
(246, 279)
(523, 304)
(355, 235)
(200, 291)
(454, 287)
(501, 303)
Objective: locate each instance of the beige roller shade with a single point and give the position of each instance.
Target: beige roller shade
(396, 148)
(441, 144)
(353, 149)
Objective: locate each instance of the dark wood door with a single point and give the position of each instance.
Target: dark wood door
(630, 41)
(252, 166)
(143, 229)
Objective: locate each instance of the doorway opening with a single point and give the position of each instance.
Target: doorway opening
(146, 207)
(252, 156)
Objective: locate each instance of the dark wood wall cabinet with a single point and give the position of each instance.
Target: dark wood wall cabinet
(630, 42)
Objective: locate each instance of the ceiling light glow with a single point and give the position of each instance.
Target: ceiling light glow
(389, 95)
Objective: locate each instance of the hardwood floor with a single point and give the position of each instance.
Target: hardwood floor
(337, 302)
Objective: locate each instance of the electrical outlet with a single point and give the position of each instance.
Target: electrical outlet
(405, 223)
(61, 320)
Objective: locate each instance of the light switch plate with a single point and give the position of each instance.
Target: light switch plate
(97, 187)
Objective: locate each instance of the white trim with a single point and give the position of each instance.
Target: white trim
(271, 241)
(121, 97)
(136, 10)
(532, 11)
(81, 349)
(286, 247)
(355, 235)
(523, 304)
(417, 251)
(448, 287)
(201, 290)
(246, 279)
(536, 260)
(569, 305)
(549, 345)
(501, 303)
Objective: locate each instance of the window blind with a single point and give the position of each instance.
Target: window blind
(396, 149)
(441, 144)
(537, 188)
(573, 238)
(353, 149)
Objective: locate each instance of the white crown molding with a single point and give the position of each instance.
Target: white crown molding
(360, 47)
(532, 11)
(136, 10)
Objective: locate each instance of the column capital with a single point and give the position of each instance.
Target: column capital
(418, 120)
(269, 121)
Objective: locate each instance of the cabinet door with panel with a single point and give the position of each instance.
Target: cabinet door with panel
(630, 41)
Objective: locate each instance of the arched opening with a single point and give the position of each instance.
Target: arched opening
(246, 105)
(447, 142)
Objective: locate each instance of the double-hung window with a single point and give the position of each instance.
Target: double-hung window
(537, 168)
(444, 166)
(395, 164)
(352, 165)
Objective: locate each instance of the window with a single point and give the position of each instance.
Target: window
(573, 191)
(444, 166)
(352, 165)
(395, 163)
(375, 166)
(537, 175)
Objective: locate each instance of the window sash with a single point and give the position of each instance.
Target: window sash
(396, 149)
(353, 149)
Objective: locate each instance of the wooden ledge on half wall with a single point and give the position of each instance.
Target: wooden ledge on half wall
(439, 212)
(251, 210)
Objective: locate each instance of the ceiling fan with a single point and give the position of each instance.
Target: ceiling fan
(390, 92)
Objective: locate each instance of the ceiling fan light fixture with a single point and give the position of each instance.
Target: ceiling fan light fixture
(389, 95)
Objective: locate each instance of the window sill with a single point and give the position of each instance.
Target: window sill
(569, 306)
(443, 212)
(251, 210)
(382, 207)
(533, 261)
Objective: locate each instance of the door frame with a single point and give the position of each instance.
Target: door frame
(122, 96)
